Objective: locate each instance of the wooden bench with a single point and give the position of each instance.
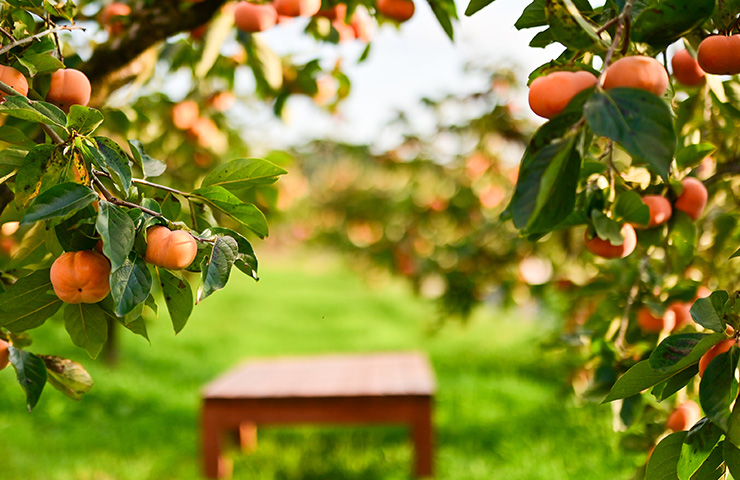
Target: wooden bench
(390, 388)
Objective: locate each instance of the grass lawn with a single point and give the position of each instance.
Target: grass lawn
(501, 410)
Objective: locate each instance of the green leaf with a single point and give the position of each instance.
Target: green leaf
(177, 295)
(546, 189)
(243, 173)
(114, 160)
(677, 352)
(28, 302)
(84, 120)
(30, 179)
(713, 467)
(130, 284)
(476, 5)
(629, 209)
(639, 121)
(716, 390)
(698, 445)
(606, 228)
(663, 461)
(265, 64)
(31, 374)
(725, 14)
(532, 16)
(709, 311)
(59, 201)
(731, 455)
(117, 231)
(150, 166)
(19, 106)
(87, 326)
(246, 260)
(571, 28)
(138, 327)
(67, 376)
(445, 11)
(228, 203)
(638, 378)
(15, 136)
(675, 383)
(733, 429)
(40, 63)
(215, 269)
(683, 238)
(692, 155)
(668, 20)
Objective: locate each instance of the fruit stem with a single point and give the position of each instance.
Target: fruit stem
(32, 38)
(622, 19)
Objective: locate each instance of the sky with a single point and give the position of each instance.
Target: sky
(418, 60)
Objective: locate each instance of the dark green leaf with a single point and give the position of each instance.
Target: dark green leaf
(242, 173)
(29, 180)
(698, 445)
(117, 231)
(668, 20)
(246, 260)
(713, 467)
(150, 166)
(677, 352)
(476, 5)
(635, 380)
(725, 14)
(629, 209)
(692, 155)
(130, 284)
(639, 121)
(606, 228)
(445, 11)
(716, 390)
(67, 376)
(709, 311)
(31, 374)
(114, 160)
(34, 111)
(663, 461)
(59, 201)
(15, 136)
(137, 326)
(40, 63)
(87, 326)
(84, 120)
(733, 429)
(177, 295)
(216, 268)
(675, 383)
(570, 27)
(28, 302)
(532, 16)
(731, 455)
(225, 201)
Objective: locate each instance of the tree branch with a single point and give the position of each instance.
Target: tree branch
(25, 40)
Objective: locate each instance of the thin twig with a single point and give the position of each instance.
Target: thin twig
(146, 183)
(36, 36)
(623, 20)
(109, 197)
(7, 34)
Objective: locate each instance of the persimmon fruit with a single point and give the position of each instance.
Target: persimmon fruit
(398, 10)
(250, 17)
(297, 8)
(682, 312)
(111, 15)
(205, 132)
(638, 71)
(337, 12)
(551, 93)
(13, 78)
(684, 416)
(720, 54)
(686, 69)
(4, 354)
(69, 87)
(721, 347)
(604, 248)
(362, 25)
(660, 209)
(173, 249)
(81, 277)
(693, 199)
(651, 323)
(185, 114)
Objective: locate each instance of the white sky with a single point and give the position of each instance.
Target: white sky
(404, 65)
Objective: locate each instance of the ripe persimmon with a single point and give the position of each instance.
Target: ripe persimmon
(720, 54)
(110, 17)
(604, 248)
(639, 71)
(684, 417)
(297, 8)
(205, 131)
(222, 101)
(682, 312)
(721, 347)
(337, 12)
(686, 69)
(250, 17)
(650, 323)
(69, 87)
(693, 199)
(660, 209)
(4, 354)
(173, 249)
(345, 31)
(185, 114)
(398, 10)
(81, 277)
(13, 78)
(551, 93)
(362, 25)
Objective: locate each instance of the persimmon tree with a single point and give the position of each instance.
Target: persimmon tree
(111, 189)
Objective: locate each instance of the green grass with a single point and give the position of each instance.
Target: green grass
(501, 410)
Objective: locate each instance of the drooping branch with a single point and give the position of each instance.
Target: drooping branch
(108, 69)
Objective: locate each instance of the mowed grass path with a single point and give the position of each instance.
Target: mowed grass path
(501, 411)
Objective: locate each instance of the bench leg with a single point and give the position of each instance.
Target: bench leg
(248, 436)
(423, 433)
(214, 463)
